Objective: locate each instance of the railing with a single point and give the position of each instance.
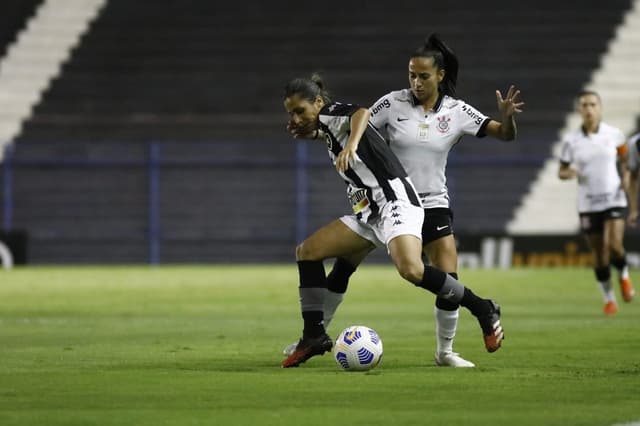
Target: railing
(301, 164)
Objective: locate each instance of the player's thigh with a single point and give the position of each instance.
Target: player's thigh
(614, 233)
(356, 259)
(332, 240)
(442, 253)
(406, 253)
(596, 242)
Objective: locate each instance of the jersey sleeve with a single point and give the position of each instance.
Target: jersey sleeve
(380, 112)
(621, 143)
(472, 121)
(566, 153)
(619, 138)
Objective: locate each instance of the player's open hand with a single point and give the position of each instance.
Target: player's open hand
(510, 104)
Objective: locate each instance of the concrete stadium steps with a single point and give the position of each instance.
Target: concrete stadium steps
(13, 17)
(170, 58)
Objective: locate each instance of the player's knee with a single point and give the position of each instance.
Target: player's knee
(411, 271)
(305, 251)
(300, 252)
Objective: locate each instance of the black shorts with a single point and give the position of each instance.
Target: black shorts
(438, 223)
(593, 222)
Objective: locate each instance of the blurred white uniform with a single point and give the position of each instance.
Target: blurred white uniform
(422, 139)
(594, 156)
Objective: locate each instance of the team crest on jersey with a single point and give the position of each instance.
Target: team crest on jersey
(443, 124)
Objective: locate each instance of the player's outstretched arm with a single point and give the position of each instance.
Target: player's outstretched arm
(508, 106)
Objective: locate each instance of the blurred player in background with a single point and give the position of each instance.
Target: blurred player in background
(386, 212)
(633, 156)
(422, 124)
(596, 154)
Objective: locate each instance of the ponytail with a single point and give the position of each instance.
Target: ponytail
(444, 59)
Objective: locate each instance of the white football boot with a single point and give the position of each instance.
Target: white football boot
(452, 359)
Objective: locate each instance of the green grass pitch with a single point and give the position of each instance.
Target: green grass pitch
(201, 345)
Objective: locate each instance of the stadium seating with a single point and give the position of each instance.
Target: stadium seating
(13, 17)
(204, 80)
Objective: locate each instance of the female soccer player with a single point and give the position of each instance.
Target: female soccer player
(633, 155)
(592, 154)
(422, 124)
(386, 212)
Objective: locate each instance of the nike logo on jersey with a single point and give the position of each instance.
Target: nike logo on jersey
(440, 228)
(402, 119)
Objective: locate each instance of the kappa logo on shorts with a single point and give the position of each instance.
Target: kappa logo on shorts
(397, 222)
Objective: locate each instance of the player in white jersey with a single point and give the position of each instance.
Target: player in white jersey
(633, 157)
(594, 154)
(386, 211)
(422, 124)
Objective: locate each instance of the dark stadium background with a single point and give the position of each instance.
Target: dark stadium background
(163, 138)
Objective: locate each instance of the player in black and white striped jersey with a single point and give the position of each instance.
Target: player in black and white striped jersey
(422, 124)
(386, 212)
(633, 159)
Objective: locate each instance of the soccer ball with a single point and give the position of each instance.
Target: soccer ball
(358, 348)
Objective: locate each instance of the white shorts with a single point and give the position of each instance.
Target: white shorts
(396, 218)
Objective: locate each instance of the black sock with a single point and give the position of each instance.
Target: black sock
(603, 273)
(444, 304)
(313, 287)
(432, 279)
(619, 262)
(442, 285)
(338, 278)
(475, 304)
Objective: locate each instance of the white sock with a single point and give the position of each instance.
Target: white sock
(331, 302)
(607, 292)
(624, 273)
(446, 325)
